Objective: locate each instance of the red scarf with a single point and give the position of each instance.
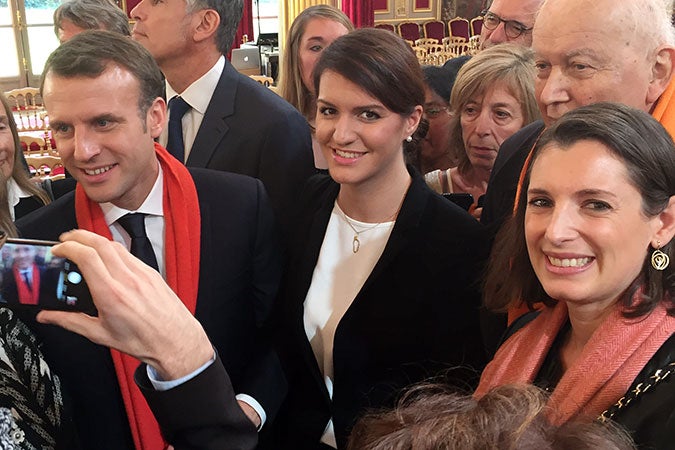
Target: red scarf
(181, 248)
(614, 355)
(28, 296)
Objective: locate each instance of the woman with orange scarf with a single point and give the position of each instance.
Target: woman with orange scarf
(592, 238)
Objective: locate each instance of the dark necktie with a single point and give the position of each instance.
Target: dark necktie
(177, 109)
(26, 278)
(134, 224)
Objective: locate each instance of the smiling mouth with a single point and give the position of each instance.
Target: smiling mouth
(345, 154)
(568, 262)
(98, 171)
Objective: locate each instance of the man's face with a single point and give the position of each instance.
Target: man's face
(102, 139)
(24, 256)
(163, 28)
(579, 62)
(522, 11)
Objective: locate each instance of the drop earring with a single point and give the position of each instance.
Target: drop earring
(660, 260)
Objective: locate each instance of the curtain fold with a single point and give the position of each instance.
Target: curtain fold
(360, 11)
(246, 25)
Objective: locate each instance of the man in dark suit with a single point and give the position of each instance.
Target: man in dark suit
(28, 281)
(226, 120)
(210, 234)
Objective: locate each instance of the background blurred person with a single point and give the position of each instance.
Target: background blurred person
(22, 194)
(75, 16)
(493, 97)
(509, 21)
(435, 150)
(311, 32)
(433, 417)
(378, 293)
(592, 239)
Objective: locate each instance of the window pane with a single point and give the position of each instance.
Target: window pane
(8, 56)
(42, 42)
(40, 11)
(5, 13)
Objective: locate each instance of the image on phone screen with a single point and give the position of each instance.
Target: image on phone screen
(31, 276)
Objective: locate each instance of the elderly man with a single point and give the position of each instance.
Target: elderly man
(218, 118)
(612, 51)
(209, 234)
(509, 21)
(76, 16)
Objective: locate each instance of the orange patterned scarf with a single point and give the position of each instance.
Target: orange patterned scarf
(181, 247)
(611, 359)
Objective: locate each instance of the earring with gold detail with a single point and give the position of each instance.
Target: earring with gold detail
(659, 259)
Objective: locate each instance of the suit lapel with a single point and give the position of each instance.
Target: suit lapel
(214, 126)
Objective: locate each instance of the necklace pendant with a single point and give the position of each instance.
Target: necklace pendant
(356, 244)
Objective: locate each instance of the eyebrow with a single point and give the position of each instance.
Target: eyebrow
(581, 193)
(357, 108)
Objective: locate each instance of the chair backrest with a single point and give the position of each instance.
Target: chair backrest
(459, 26)
(409, 31)
(435, 48)
(423, 42)
(262, 79)
(386, 26)
(28, 109)
(32, 145)
(476, 25)
(434, 29)
(45, 166)
(474, 45)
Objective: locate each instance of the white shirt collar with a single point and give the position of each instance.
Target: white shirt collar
(199, 93)
(152, 205)
(14, 195)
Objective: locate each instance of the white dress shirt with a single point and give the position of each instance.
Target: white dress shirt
(198, 96)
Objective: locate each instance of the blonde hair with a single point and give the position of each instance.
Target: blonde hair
(509, 64)
(290, 84)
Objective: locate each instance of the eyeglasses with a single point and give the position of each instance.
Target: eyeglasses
(512, 28)
(434, 111)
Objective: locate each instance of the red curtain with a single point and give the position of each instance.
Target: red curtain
(360, 11)
(246, 24)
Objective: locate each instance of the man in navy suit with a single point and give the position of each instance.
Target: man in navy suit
(211, 235)
(230, 122)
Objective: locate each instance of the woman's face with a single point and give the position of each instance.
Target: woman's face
(6, 145)
(487, 120)
(360, 138)
(586, 233)
(319, 34)
(436, 143)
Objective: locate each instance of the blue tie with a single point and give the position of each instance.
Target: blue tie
(177, 109)
(141, 248)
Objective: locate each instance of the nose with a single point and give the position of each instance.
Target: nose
(137, 10)
(483, 123)
(343, 131)
(498, 35)
(84, 147)
(553, 88)
(562, 225)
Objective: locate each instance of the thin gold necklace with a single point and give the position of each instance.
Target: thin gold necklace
(356, 243)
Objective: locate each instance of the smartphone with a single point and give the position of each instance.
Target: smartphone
(464, 200)
(32, 277)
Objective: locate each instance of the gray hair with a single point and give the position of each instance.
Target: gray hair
(92, 15)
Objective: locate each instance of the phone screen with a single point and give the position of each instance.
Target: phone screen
(33, 277)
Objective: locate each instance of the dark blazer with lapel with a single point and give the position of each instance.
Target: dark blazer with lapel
(248, 129)
(416, 314)
(239, 274)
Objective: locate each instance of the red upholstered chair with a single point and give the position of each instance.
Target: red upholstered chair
(386, 26)
(434, 29)
(409, 31)
(459, 26)
(476, 25)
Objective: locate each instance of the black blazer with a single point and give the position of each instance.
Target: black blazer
(239, 273)
(248, 129)
(501, 191)
(416, 314)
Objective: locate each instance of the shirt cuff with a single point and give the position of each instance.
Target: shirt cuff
(161, 385)
(253, 403)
